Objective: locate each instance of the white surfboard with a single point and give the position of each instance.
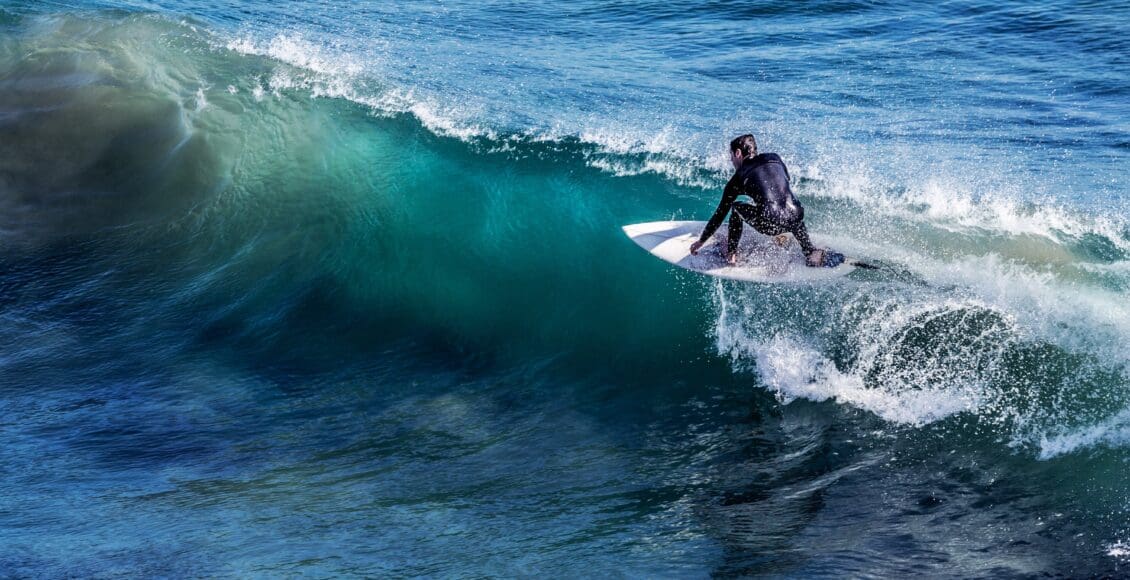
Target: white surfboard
(760, 258)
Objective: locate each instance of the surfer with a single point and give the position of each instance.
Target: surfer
(775, 211)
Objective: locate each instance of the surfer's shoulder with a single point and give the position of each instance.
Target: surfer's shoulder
(761, 158)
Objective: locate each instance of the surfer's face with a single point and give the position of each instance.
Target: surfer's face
(736, 158)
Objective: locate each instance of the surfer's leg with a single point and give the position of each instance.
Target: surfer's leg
(761, 222)
(739, 212)
(801, 234)
(813, 257)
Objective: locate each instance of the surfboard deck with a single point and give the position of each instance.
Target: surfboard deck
(760, 258)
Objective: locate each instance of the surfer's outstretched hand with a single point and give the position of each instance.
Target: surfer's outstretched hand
(695, 247)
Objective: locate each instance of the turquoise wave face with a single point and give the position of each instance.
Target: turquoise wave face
(246, 293)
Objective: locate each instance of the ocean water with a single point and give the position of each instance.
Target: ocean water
(339, 289)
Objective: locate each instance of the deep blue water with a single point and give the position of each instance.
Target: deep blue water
(322, 289)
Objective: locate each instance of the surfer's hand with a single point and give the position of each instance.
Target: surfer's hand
(695, 247)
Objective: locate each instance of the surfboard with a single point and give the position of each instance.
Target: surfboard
(760, 258)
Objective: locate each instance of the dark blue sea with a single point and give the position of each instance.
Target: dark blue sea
(329, 289)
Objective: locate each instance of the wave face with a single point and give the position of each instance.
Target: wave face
(346, 287)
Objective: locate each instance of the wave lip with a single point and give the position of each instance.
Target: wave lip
(328, 73)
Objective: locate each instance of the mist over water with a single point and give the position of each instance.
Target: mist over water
(343, 291)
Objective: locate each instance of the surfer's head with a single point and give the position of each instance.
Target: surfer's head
(742, 148)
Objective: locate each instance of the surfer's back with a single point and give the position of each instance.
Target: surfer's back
(765, 179)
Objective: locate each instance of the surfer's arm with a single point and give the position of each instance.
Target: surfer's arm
(728, 196)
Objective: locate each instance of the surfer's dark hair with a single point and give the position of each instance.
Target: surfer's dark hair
(746, 143)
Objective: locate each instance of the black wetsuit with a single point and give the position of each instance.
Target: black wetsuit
(774, 211)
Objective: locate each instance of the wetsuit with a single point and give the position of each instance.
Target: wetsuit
(774, 211)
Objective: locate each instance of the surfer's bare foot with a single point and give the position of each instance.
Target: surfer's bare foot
(732, 259)
(815, 259)
(781, 240)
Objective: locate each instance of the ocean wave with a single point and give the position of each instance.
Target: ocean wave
(969, 289)
(925, 194)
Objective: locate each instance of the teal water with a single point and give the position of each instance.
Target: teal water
(301, 290)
